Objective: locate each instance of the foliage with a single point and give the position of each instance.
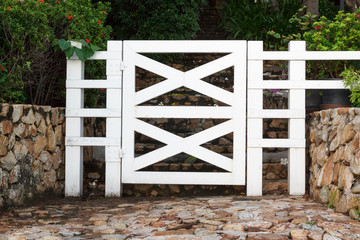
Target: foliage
(351, 79)
(155, 19)
(250, 20)
(86, 51)
(32, 69)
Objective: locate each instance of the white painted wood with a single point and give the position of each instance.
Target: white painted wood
(93, 112)
(192, 80)
(278, 143)
(276, 113)
(74, 128)
(92, 141)
(297, 72)
(113, 123)
(302, 56)
(184, 112)
(93, 84)
(308, 84)
(254, 124)
(102, 55)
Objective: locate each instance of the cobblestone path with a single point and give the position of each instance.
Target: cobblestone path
(230, 217)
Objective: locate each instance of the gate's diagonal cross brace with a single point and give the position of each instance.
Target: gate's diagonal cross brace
(190, 145)
(190, 79)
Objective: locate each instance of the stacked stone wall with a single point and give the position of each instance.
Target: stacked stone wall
(334, 158)
(31, 152)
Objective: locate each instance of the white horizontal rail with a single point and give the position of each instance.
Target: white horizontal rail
(305, 55)
(184, 112)
(92, 141)
(102, 55)
(93, 112)
(93, 84)
(186, 178)
(275, 113)
(280, 143)
(185, 46)
(285, 84)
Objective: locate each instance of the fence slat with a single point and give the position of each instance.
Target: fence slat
(308, 84)
(94, 112)
(222, 112)
(92, 141)
(93, 84)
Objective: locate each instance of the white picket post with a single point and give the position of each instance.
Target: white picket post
(74, 128)
(254, 125)
(113, 125)
(296, 167)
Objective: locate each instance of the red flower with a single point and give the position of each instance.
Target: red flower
(70, 17)
(2, 68)
(101, 34)
(87, 40)
(99, 22)
(57, 1)
(42, 1)
(104, 12)
(357, 15)
(9, 8)
(101, 89)
(317, 27)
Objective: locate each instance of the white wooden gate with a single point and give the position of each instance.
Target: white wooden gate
(235, 112)
(122, 113)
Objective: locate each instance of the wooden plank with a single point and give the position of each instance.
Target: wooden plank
(280, 143)
(184, 46)
(254, 172)
(113, 124)
(92, 141)
(94, 112)
(93, 84)
(276, 113)
(297, 171)
(222, 112)
(192, 178)
(308, 84)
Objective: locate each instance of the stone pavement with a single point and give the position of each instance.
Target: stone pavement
(210, 218)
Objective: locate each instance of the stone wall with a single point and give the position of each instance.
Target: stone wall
(31, 152)
(334, 158)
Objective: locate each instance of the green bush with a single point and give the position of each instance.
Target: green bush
(155, 19)
(250, 20)
(33, 71)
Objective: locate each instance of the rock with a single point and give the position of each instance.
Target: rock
(336, 172)
(49, 179)
(321, 154)
(47, 159)
(347, 201)
(93, 175)
(347, 134)
(348, 153)
(15, 175)
(329, 237)
(346, 178)
(326, 174)
(42, 127)
(4, 142)
(57, 158)
(324, 194)
(259, 224)
(174, 188)
(17, 112)
(55, 116)
(356, 187)
(58, 135)
(355, 164)
(29, 118)
(19, 130)
(234, 227)
(354, 213)
(39, 145)
(20, 151)
(51, 140)
(6, 126)
(8, 162)
(299, 234)
(4, 109)
(144, 188)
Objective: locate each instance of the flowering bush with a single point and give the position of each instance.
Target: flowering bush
(32, 71)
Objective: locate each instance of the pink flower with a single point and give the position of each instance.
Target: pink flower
(357, 15)
(317, 27)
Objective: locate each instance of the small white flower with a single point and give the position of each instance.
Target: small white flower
(226, 79)
(284, 161)
(215, 105)
(161, 104)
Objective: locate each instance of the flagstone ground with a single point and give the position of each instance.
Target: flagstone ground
(230, 217)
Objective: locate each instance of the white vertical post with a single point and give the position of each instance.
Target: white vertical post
(255, 125)
(113, 125)
(74, 128)
(296, 167)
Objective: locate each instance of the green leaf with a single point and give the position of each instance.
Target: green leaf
(80, 54)
(277, 35)
(88, 52)
(64, 44)
(94, 48)
(69, 52)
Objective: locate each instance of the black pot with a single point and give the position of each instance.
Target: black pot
(333, 98)
(313, 100)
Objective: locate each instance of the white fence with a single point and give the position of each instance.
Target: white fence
(122, 165)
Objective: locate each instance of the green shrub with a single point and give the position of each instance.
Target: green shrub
(32, 69)
(250, 20)
(155, 19)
